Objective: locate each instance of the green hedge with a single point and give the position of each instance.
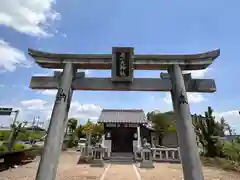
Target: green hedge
(23, 135)
(3, 148)
(17, 147)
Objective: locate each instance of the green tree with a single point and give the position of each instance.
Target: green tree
(208, 130)
(98, 129)
(16, 129)
(70, 136)
(79, 131)
(162, 122)
(72, 124)
(88, 127)
(95, 129)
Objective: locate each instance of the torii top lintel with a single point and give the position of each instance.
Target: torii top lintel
(141, 62)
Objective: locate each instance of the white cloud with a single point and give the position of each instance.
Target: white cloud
(198, 73)
(11, 57)
(43, 109)
(87, 72)
(193, 98)
(34, 104)
(28, 16)
(64, 35)
(232, 117)
(49, 92)
(85, 111)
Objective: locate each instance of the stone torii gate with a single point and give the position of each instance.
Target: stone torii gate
(122, 62)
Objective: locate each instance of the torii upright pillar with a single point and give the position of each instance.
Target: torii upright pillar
(49, 160)
(191, 163)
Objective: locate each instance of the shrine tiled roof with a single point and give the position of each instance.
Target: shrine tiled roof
(122, 116)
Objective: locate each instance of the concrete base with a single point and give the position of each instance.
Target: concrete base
(97, 163)
(146, 165)
(84, 160)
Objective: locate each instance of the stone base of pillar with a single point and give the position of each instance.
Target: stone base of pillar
(84, 160)
(97, 163)
(146, 164)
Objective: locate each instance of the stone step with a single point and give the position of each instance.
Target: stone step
(116, 154)
(122, 158)
(121, 161)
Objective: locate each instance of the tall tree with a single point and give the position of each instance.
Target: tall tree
(88, 127)
(98, 129)
(79, 131)
(208, 130)
(70, 134)
(162, 122)
(72, 124)
(16, 128)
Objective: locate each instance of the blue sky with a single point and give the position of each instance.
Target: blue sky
(153, 26)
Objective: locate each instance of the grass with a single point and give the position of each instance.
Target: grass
(23, 135)
(221, 163)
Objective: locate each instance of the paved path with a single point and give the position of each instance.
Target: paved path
(120, 172)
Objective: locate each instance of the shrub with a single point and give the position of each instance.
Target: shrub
(34, 151)
(3, 148)
(221, 163)
(231, 151)
(18, 147)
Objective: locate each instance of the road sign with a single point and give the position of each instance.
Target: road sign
(122, 67)
(5, 111)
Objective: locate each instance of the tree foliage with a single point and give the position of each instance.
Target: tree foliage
(163, 123)
(95, 129)
(208, 132)
(72, 124)
(88, 127)
(16, 129)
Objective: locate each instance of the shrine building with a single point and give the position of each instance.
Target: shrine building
(124, 130)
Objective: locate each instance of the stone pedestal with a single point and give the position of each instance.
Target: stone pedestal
(147, 160)
(85, 155)
(97, 157)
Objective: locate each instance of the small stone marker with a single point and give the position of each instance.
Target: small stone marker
(147, 161)
(85, 155)
(82, 156)
(98, 157)
(2, 160)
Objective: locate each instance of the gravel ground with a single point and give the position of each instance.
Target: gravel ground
(165, 171)
(121, 172)
(67, 170)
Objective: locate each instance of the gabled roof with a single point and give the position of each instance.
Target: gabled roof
(122, 116)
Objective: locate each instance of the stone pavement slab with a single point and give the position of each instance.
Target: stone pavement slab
(120, 172)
